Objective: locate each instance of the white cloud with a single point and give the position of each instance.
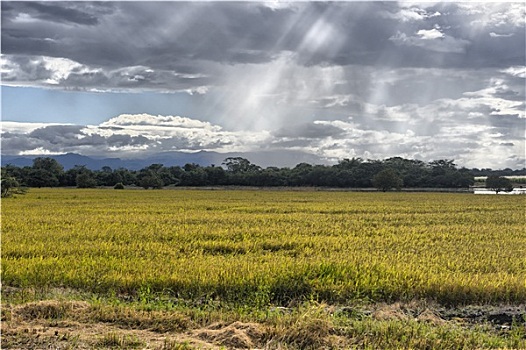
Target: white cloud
(441, 43)
(24, 128)
(178, 133)
(200, 90)
(40, 151)
(490, 97)
(495, 14)
(517, 71)
(430, 34)
(145, 119)
(468, 141)
(60, 68)
(411, 14)
(41, 70)
(278, 4)
(496, 35)
(63, 73)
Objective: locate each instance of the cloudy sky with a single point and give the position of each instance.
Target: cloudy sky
(339, 80)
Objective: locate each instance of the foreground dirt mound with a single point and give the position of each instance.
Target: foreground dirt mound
(237, 335)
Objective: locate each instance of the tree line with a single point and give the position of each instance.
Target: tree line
(385, 174)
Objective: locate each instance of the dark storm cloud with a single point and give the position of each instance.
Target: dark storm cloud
(57, 133)
(61, 12)
(189, 46)
(54, 29)
(14, 143)
(27, 70)
(165, 34)
(158, 33)
(67, 138)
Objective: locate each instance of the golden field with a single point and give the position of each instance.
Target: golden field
(235, 244)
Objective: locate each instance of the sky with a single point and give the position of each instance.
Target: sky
(427, 81)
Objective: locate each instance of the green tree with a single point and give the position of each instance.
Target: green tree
(49, 164)
(348, 164)
(240, 165)
(151, 180)
(197, 176)
(150, 177)
(498, 183)
(10, 186)
(86, 180)
(299, 173)
(107, 177)
(45, 172)
(387, 179)
(13, 171)
(41, 178)
(127, 177)
(215, 175)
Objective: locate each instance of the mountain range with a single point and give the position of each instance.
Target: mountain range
(203, 158)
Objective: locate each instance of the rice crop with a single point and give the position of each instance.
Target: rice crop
(261, 248)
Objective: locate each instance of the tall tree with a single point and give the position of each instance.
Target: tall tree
(45, 172)
(240, 165)
(498, 183)
(86, 180)
(9, 185)
(387, 179)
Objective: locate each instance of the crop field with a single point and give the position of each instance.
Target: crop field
(353, 270)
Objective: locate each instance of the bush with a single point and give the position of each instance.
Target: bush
(119, 186)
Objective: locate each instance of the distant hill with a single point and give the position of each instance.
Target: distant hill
(68, 161)
(203, 158)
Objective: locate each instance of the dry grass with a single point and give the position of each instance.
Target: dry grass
(49, 309)
(235, 335)
(80, 325)
(157, 321)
